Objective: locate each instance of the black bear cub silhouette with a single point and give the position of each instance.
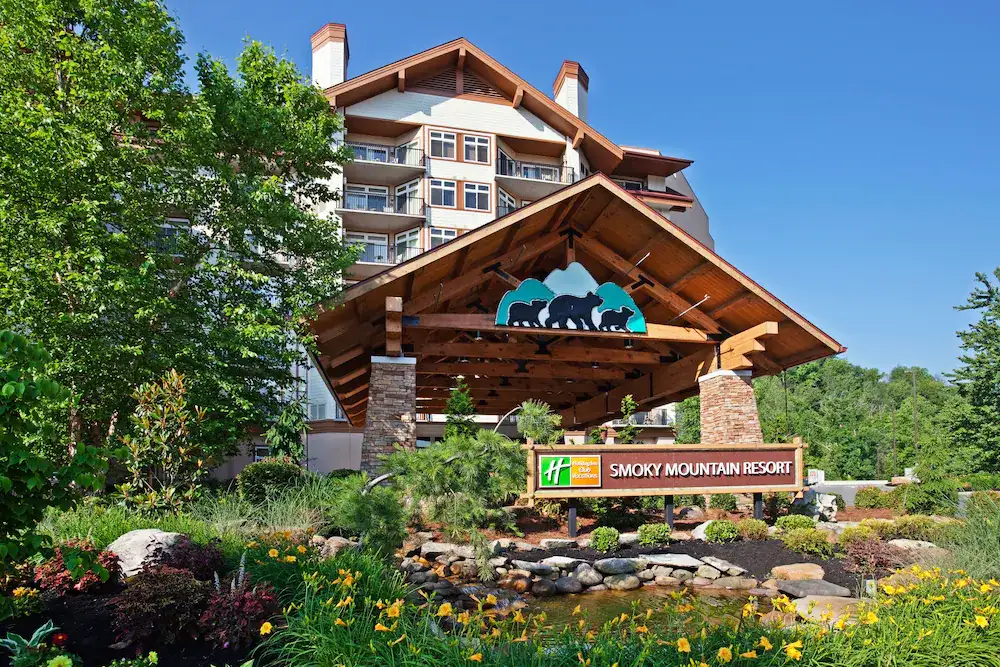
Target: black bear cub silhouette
(526, 314)
(616, 319)
(567, 307)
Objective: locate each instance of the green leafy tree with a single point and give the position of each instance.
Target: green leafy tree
(30, 482)
(689, 421)
(978, 376)
(284, 438)
(629, 431)
(536, 420)
(145, 226)
(164, 454)
(459, 412)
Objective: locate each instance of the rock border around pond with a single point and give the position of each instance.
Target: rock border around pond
(525, 568)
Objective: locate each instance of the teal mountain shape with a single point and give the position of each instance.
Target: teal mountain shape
(528, 304)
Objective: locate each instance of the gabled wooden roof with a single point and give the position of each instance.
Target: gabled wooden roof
(603, 154)
(450, 293)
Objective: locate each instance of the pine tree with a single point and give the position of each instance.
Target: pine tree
(978, 378)
(628, 433)
(459, 412)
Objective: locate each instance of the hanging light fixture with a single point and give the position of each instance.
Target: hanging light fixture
(463, 360)
(594, 364)
(478, 337)
(629, 344)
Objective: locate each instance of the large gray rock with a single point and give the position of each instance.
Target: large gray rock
(724, 566)
(814, 607)
(617, 565)
(708, 572)
(673, 560)
(431, 550)
(622, 582)
(557, 543)
(819, 506)
(682, 575)
(562, 562)
(690, 514)
(645, 575)
(804, 587)
(661, 571)
(587, 575)
(568, 585)
(662, 580)
(543, 588)
(334, 545)
(736, 583)
(534, 568)
(140, 547)
(699, 531)
(628, 540)
(798, 571)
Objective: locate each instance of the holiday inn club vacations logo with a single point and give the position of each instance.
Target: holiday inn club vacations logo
(569, 471)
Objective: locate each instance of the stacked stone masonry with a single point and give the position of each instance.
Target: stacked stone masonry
(729, 409)
(391, 417)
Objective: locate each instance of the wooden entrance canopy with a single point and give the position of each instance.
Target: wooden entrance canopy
(439, 307)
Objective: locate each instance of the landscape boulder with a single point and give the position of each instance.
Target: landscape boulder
(435, 549)
(673, 560)
(146, 546)
(699, 531)
(557, 543)
(622, 582)
(626, 540)
(561, 562)
(587, 575)
(540, 569)
(334, 545)
(724, 566)
(818, 506)
(813, 607)
(803, 587)
(616, 565)
(544, 588)
(568, 585)
(691, 514)
(708, 572)
(797, 571)
(736, 583)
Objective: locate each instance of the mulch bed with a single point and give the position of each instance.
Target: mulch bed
(87, 620)
(756, 557)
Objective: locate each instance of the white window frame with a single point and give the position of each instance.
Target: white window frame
(504, 198)
(369, 190)
(405, 237)
(442, 234)
(444, 186)
(626, 184)
(477, 143)
(442, 138)
(367, 238)
(479, 190)
(315, 411)
(411, 191)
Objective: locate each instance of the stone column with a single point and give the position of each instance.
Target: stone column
(729, 409)
(392, 410)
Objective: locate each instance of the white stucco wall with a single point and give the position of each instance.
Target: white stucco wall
(328, 66)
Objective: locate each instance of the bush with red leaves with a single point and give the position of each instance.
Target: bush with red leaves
(201, 560)
(873, 557)
(77, 565)
(159, 605)
(235, 614)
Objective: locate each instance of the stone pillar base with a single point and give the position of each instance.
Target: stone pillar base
(729, 409)
(392, 410)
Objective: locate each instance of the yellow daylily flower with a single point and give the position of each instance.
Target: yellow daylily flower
(346, 601)
(273, 553)
(765, 644)
(576, 610)
(750, 655)
(444, 610)
(289, 559)
(725, 654)
(396, 640)
(266, 628)
(463, 618)
(340, 622)
(491, 599)
(394, 609)
(476, 657)
(381, 628)
(518, 617)
(641, 629)
(683, 645)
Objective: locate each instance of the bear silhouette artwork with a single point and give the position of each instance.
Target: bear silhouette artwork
(578, 309)
(526, 314)
(612, 320)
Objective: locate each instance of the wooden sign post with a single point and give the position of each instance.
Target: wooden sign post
(613, 471)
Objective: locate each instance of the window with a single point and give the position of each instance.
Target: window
(440, 236)
(442, 193)
(477, 149)
(261, 452)
(477, 197)
(406, 198)
(630, 185)
(375, 247)
(506, 166)
(506, 202)
(317, 411)
(366, 198)
(443, 144)
(407, 244)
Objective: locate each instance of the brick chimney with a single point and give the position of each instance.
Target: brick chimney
(330, 54)
(570, 89)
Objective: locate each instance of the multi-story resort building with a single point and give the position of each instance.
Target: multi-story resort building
(445, 142)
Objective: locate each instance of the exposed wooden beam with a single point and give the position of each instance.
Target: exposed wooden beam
(694, 273)
(532, 369)
(401, 83)
(734, 302)
(766, 363)
(344, 357)
(393, 326)
(461, 58)
(613, 260)
(517, 384)
(529, 351)
(578, 139)
(353, 375)
(347, 393)
(486, 322)
(518, 96)
(477, 275)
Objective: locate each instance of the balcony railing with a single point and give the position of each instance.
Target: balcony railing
(380, 253)
(654, 418)
(504, 209)
(383, 203)
(535, 172)
(402, 155)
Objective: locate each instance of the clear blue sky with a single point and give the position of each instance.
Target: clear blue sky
(847, 153)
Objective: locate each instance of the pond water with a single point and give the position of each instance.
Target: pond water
(602, 606)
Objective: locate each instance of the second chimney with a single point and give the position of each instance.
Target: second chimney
(570, 89)
(330, 54)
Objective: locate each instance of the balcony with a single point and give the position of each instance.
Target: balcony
(380, 212)
(382, 164)
(531, 181)
(377, 257)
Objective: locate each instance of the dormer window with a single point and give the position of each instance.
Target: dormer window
(631, 185)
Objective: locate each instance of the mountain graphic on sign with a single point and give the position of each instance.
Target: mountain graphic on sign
(570, 298)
